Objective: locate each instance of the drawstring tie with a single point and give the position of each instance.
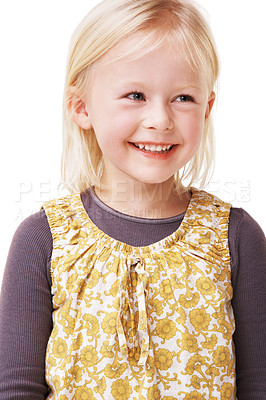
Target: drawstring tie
(142, 337)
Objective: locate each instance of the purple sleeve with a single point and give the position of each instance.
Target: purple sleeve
(25, 312)
(248, 245)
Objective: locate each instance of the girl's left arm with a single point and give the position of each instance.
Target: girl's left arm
(248, 245)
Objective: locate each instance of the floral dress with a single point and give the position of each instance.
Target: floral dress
(137, 323)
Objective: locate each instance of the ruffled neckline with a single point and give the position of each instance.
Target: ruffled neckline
(166, 242)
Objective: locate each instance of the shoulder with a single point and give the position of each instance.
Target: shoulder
(247, 244)
(33, 235)
(34, 228)
(242, 227)
(241, 224)
(59, 209)
(63, 202)
(30, 251)
(205, 198)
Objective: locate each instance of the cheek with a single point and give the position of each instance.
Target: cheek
(110, 135)
(193, 127)
(122, 121)
(115, 127)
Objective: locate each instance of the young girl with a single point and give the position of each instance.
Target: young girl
(135, 286)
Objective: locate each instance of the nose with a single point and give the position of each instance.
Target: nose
(158, 117)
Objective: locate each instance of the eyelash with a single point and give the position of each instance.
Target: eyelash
(186, 98)
(134, 93)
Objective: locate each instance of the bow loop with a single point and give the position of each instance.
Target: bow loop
(126, 311)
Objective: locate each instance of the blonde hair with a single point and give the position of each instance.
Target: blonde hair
(186, 30)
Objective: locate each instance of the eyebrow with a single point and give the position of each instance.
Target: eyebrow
(187, 87)
(132, 83)
(135, 85)
(142, 85)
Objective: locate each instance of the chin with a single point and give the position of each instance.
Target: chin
(156, 180)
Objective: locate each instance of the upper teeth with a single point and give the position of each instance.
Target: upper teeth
(153, 147)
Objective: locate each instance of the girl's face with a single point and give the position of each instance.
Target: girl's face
(148, 114)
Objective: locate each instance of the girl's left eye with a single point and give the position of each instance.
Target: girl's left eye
(136, 96)
(185, 98)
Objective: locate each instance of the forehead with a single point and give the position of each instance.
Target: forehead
(140, 53)
(137, 45)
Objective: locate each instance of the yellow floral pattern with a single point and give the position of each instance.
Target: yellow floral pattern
(135, 323)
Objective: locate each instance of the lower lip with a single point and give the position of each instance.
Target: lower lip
(157, 156)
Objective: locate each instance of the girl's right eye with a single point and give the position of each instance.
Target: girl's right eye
(136, 96)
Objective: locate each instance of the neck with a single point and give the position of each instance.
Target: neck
(161, 200)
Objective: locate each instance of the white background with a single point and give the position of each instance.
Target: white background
(34, 37)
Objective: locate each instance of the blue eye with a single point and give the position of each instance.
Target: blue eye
(184, 98)
(136, 96)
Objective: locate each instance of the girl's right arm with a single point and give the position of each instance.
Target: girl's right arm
(26, 312)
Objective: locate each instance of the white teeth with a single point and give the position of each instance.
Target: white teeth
(153, 147)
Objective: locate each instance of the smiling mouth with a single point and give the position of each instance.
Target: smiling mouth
(154, 148)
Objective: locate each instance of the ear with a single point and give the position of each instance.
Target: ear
(209, 105)
(77, 109)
